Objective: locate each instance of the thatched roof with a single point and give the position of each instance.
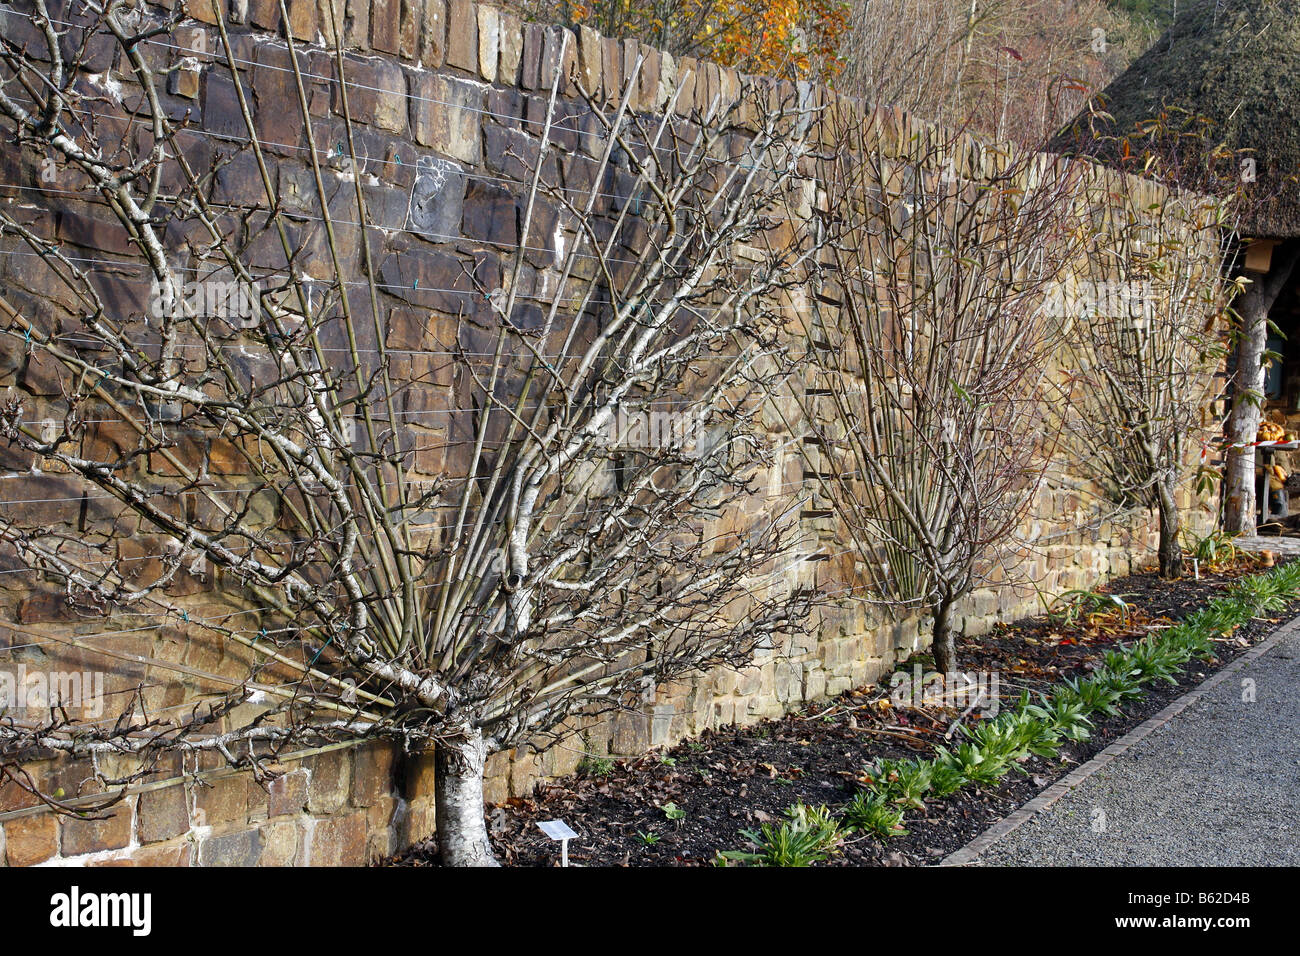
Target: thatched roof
(1235, 63)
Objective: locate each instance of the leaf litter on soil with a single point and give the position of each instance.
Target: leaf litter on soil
(738, 778)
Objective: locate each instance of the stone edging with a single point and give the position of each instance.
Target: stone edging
(971, 851)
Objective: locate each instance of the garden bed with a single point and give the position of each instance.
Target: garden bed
(682, 806)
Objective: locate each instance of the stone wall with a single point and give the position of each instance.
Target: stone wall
(456, 88)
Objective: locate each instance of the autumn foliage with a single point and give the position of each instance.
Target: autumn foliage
(1006, 69)
(792, 38)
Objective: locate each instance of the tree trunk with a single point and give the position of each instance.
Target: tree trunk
(944, 644)
(1171, 553)
(1248, 392)
(458, 799)
(1243, 421)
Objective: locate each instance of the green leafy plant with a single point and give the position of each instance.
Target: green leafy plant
(1065, 712)
(872, 812)
(1124, 682)
(1214, 550)
(1153, 660)
(974, 765)
(945, 779)
(809, 835)
(1012, 737)
(1030, 735)
(648, 839)
(593, 766)
(904, 782)
(1264, 594)
(673, 812)
(1095, 697)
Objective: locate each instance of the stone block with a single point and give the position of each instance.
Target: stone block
(88, 835)
(386, 26)
(490, 214)
(667, 81)
(237, 848)
(376, 94)
(433, 34)
(330, 781)
(687, 77)
(530, 68)
(184, 82)
(418, 823)
(559, 56)
(611, 66)
(339, 841)
(418, 776)
(222, 800)
(381, 829)
(331, 15)
(408, 45)
(489, 42)
(31, 839)
(629, 53)
(356, 29)
(84, 225)
(302, 20)
(204, 10)
(590, 59)
(162, 814)
(814, 684)
(288, 793)
(445, 115)
(163, 854)
(278, 844)
(648, 83)
(462, 35)
(264, 14)
(511, 45)
(372, 773)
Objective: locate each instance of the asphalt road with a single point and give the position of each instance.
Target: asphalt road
(1218, 785)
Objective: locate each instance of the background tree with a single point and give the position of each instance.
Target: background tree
(1145, 338)
(1009, 70)
(558, 564)
(930, 416)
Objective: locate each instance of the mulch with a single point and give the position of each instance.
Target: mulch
(679, 807)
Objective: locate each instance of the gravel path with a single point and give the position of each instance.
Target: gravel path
(1218, 785)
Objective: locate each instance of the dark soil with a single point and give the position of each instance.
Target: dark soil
(737, 778)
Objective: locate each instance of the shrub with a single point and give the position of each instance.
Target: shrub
(1263, 593)
(808, 836)
(874, 813)
(904, 782)
(974, 765)
(1153, 660)
(1066, 714)
(1095, 697)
